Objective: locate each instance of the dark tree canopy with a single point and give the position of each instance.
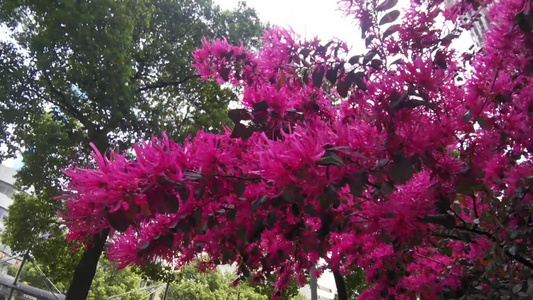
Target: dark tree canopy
(107, 72)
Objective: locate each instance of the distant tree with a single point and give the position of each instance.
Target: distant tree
(107, 72)
(355, 283)
(211, 285)
(43, 234)
(107, 281)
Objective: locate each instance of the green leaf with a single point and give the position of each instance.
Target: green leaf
(448, 251)
(517, 288)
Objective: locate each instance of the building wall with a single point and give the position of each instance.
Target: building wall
(7, 189)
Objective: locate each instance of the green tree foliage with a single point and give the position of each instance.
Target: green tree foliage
(267, 288)
(214, 285)
(107, 72)
(49, 245)
(107, 281)
(355, 283)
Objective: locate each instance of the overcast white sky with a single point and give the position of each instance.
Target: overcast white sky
(309, 18)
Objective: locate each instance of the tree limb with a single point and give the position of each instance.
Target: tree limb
(66, 106)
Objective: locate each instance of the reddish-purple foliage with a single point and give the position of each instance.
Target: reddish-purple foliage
(402, 161)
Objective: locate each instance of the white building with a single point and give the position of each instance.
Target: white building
(7, 189)
(326, 287)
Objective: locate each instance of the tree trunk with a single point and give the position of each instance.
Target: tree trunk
(86, 268)
(341, 287)
(84, 273)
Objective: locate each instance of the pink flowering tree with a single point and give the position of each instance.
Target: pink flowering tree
(412, 161)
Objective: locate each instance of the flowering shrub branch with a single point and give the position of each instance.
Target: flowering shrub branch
(417, 170)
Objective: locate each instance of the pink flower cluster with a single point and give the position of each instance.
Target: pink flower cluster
(417, 170)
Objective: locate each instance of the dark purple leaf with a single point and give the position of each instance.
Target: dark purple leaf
(238, 115)
(318, 76)
(528, 70)
(258, 202)
(260, 106)
(401, 169)
(358, 79)
(447, 40)
(524, 22)
(482, 123)
(305, 52)
(342, 88)
(196, 218)
(441, 63)
(446, 220)
(386, 188)
(467, 116)
(387, 4)
(288, 194)
(242, 234)
(357, 183)
(119, 221)
(295, 209)
(227, 55)
(240, 56)
(354, 59)
(397, 101)
(389, 17)
(239, 187)
(392, 29)
(242, 131)
(330, 159)
(368, 40)
(369, 56)
(331, 75)
(231, 215)
(224, 73)
(310, 210)
(171, 203)
(376, 63)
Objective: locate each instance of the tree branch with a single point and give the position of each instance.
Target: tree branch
(66, 106)
(516, 257)
(166, 84)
